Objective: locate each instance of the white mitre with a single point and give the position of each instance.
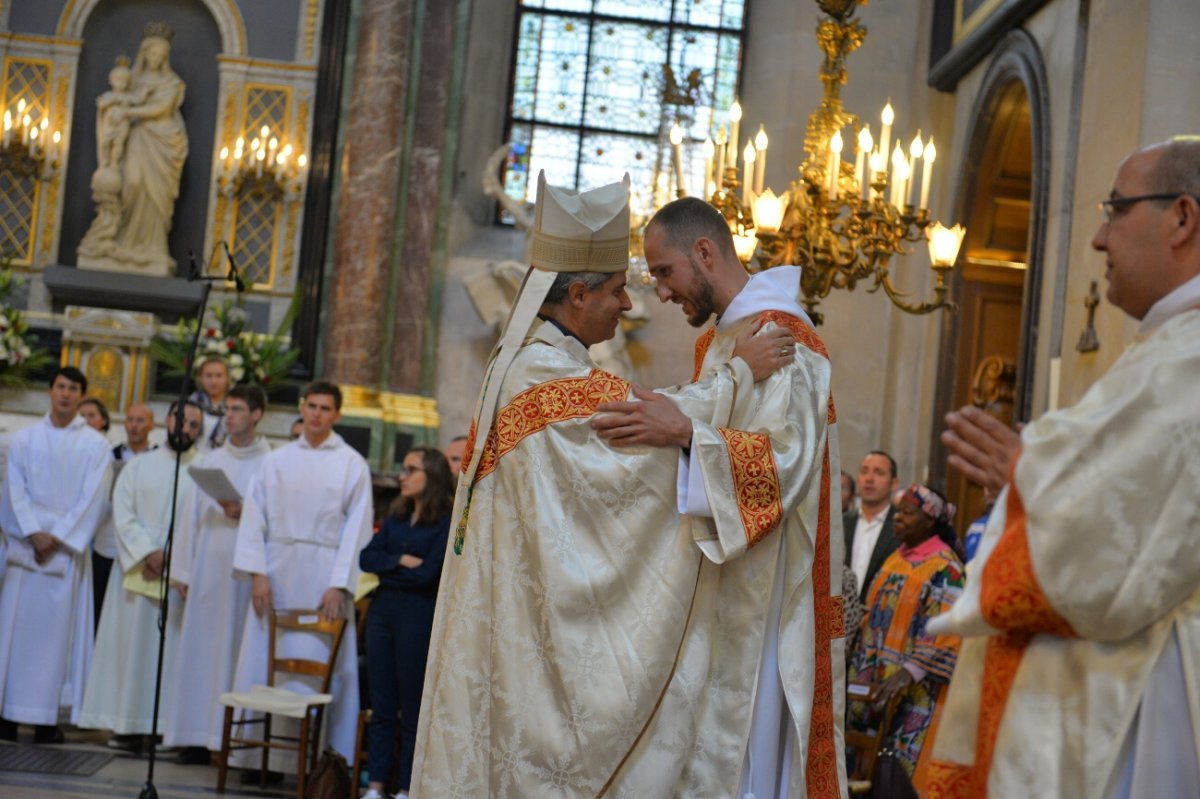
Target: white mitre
(572, 232)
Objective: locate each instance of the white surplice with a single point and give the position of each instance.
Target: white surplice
(215, 610)
(120, 686)
(307, 515)
(1081, 613)
(57, 481)
(586, 641)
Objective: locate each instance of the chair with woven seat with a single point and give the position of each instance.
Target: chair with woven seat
(867, 745)
(269, 700)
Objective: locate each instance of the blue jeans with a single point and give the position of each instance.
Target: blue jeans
(397, 646)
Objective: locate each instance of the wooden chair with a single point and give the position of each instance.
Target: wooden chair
(271, 701)
(867, 745)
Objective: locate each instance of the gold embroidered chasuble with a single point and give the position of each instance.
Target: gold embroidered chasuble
(585, 642)
(1087, 568)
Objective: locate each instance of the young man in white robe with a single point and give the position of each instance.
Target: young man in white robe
(1081, 613)
(54, 497)
(576, 617)
(307, 515)
(757, 485)
(120, 686)
(215, 604)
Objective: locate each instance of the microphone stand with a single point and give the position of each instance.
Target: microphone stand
(180, 417)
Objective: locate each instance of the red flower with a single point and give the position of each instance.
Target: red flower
(211, 332)
(229, 343)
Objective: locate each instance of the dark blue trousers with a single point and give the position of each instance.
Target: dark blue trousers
(397, 647)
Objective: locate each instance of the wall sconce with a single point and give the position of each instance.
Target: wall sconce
(263, 166)
(28, 148)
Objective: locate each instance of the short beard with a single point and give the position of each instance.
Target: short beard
(180, 442)
(702, 297)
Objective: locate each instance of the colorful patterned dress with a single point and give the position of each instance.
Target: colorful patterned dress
(913, 586)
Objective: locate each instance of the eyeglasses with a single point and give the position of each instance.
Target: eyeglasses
(408, 471)
(1115, 206)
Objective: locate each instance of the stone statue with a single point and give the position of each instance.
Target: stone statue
(142, 145)
(1088, 340)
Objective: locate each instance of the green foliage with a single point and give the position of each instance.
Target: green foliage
(256, 358)
(19, 354)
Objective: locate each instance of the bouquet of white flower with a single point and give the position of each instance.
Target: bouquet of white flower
(256, 358)
(19, 357)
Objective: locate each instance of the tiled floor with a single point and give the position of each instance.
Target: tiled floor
(124, 776)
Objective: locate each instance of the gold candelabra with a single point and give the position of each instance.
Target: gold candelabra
(28, 148)
(841, 222)
(264, 166)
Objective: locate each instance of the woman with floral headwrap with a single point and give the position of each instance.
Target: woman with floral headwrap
(920, 580)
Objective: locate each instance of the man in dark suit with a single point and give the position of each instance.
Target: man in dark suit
(868, 532)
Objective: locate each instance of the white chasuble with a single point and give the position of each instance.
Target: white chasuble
(120, 686)
(307, 515)
(581, 646)
(1083, 604)
(57, 481)
(215, 610)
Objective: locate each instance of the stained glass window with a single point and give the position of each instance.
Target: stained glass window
(598, 84)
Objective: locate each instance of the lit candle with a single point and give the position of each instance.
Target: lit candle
(677, 156)
(272, 145)
(899, 170)
(258, 157)
(861, 168)
(722, 146)
(878, 166)
(57, 139)
(264, 132)
(835, 163)
(33, 134)
(735, 123)
(927, 172)
(914, 150)
(26, 126)
(760, 159)
(747, 172)
(885, 135)
(708, 150)
(302, 161)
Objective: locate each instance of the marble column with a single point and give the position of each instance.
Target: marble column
(411, 333)
(366, 215)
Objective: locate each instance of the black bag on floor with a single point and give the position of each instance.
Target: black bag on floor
(330, 779)
(890, 780)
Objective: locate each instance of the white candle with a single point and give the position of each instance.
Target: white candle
(721, 147)
(677, 156)
(760, 159)
(914, 151)
(899, 173)
(747, 172)
(707, 150)
(877, 166)
(862, 169)
(885, 135)
(927, 172)
(735, 124)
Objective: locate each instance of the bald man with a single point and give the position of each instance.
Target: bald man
(139, 421)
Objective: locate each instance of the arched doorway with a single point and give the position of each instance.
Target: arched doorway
(988, 347)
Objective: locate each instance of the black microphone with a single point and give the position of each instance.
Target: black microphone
(233, 273)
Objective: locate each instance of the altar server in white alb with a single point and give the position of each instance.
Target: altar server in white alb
(307, 515)
(54, 497)
(215, 606)
(1080, 616)
(120, 686)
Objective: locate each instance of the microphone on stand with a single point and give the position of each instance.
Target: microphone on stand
(233, 273)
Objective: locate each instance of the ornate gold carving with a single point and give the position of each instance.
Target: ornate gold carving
(310, 28)
(106, 374)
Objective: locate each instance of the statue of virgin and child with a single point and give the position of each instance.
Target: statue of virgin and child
(141, 146)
